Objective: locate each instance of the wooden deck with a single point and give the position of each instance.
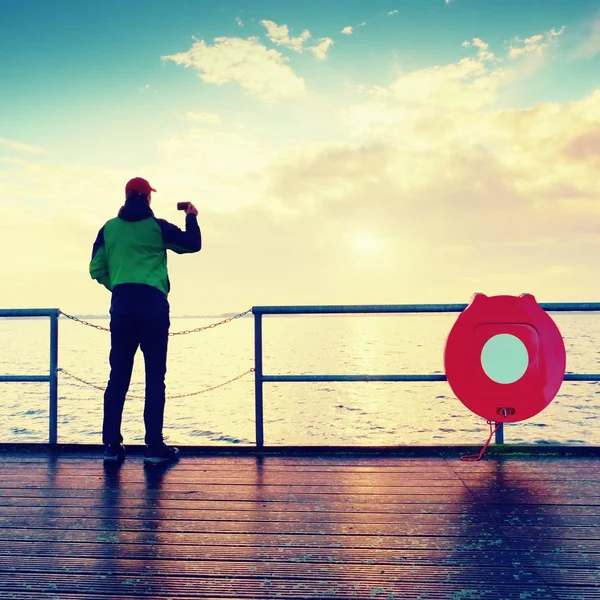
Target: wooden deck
(219, 526)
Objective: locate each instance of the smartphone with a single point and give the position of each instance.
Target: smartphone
(182, 205)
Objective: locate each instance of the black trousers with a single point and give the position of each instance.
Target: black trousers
(128, 331)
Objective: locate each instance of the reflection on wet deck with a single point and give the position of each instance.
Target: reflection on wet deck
(299, 527)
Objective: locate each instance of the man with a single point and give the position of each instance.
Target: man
(129, 258)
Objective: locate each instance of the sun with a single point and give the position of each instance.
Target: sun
(365, 243)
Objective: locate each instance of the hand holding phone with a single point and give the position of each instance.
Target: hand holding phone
(189, 208)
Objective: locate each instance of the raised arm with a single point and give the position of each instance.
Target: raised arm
(182, 242)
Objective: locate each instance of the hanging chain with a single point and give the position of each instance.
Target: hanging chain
(212, 325)
(198, 329)
(60, 370)
(102, 389)
(185, 332)
(99, 327)
(214, 387)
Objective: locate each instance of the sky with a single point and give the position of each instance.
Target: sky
(339, 152)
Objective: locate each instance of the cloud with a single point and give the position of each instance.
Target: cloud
(457, 192)
(260, 72)
(321, 49)
(280, 35)
(66, 204)
(148, 89)
(483, 54)
(347, 30)
(584, 146)
(590, 46)
(431, 148)
(391, 13)
(536, 44)
(481, 177)
(239, 21)
(21, 147)
(224, 168)
(51, 193)
(443, 91)
(202, 117)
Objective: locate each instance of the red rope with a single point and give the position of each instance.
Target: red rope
(476, 457)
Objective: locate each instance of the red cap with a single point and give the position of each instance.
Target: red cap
(137, 184)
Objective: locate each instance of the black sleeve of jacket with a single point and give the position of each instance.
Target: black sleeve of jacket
(98, 243)
(99, 262)
(179, 241)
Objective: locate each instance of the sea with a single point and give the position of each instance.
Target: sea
(352, 414)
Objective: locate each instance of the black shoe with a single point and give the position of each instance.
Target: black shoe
(160, 454)
(114, 453)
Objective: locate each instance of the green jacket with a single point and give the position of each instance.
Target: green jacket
(132, 248)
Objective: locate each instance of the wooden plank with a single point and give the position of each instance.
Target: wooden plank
(506, 498)
(350, 488)
(252, 494)
(558, 467)
(542, 510)
(551, 473)
(321, 480)
(561, 593)
(382, 588)
(298, 510)
(7, 514)
(535, 486)
(132, 467)
(477, 541)
(515, 466)
(267, 527)
(286, 461)
(466, 574)
(426, 592)
(51, 595)
(545, 532)
(515, 461)
(573, 577)
(486, 541)
(331, 484)
(195, 464)
(544, 520)
(257, 553)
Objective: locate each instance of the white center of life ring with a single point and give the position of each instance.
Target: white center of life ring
(504, 358)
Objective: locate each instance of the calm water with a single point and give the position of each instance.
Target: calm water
(295, 413)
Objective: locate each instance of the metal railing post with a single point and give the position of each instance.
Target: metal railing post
(53, 413)
(258, 379)
(500, 434)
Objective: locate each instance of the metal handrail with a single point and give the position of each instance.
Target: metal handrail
(52, 377)
(260, 377)
(407, 308)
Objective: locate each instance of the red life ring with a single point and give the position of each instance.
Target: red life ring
(505, 358)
